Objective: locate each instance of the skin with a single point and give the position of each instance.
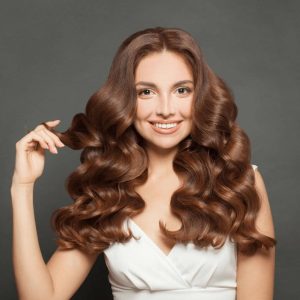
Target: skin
(163, 102)
(65, 271)
(255, 275)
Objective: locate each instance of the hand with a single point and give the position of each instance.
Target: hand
(30, 153)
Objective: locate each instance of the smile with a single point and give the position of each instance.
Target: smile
(165, 128)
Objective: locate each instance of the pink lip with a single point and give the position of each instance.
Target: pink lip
(166, 130)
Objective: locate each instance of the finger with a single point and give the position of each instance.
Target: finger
(47, 139)
(31, 139)
(48, 124)
(52, 123)
(56, 139)
(46, 127)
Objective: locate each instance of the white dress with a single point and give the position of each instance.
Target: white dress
(140, 270)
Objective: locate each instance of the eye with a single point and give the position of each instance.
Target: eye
(188, 90)
(144, 92)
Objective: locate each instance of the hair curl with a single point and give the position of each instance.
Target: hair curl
(218, 197)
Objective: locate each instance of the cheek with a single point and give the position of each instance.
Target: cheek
(186, 110)
(144, 109)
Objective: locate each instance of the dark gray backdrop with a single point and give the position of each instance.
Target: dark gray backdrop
(55, 54)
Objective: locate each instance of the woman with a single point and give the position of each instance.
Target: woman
(165, 188)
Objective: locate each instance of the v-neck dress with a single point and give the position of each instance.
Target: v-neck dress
(140, 270)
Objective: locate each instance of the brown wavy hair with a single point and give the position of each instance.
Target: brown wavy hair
(218, 197)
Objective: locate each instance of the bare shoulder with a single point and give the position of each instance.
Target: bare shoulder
(264, 219)
(68, 269)
(255, 274)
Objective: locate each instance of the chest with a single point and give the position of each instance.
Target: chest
(157, 197)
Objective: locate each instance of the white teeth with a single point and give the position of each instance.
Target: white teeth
(169, 125)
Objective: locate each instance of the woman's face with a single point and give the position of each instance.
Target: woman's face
(165, 90)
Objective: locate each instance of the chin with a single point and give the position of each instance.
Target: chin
(165, 142)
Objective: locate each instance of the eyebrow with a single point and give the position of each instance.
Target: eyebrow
(153, 85)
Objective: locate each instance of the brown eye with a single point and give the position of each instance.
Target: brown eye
(181, 89)
(145, 92)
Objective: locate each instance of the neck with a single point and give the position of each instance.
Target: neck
(160, 162)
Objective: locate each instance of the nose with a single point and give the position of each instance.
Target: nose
(165, 106)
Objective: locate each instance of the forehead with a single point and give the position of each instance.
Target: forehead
(166, 66)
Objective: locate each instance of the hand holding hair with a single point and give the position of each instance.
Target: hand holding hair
(30, 152)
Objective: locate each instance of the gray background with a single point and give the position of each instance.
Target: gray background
(55, 54)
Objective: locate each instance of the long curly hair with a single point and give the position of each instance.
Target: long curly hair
(218, 198)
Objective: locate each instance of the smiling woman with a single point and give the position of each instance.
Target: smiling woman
(165, 189)
(164, 114)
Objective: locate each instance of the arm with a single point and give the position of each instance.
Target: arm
(255, 274)
(65, 271)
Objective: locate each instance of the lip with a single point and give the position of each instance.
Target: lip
(165, 122)
(166, 130)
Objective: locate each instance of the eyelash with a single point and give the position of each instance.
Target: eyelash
(186, 88)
